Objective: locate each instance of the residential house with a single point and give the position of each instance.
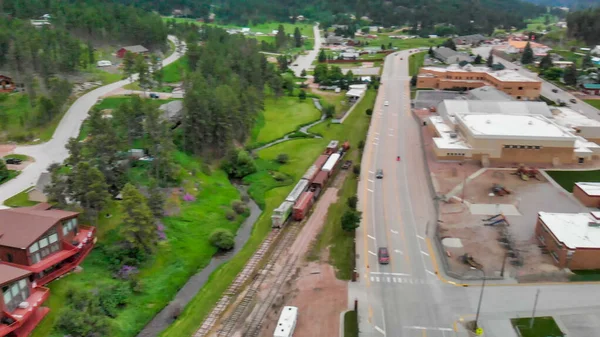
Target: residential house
(46, 242)
(474, 39)
(450, 56)
(6, 84)
(37, 193)
(137, 49)
(334, 39)
(349, 56)
(516, 47)
(596, 50)
(21, 302)
(591, 88)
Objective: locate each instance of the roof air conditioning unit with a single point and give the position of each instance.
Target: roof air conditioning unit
(530, 122)
(23, 305)
(453, 135)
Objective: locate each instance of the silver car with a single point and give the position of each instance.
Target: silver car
(379, 174)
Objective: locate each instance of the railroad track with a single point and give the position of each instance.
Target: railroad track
(233, 321)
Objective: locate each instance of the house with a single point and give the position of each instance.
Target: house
(596, 50)
(21, 302)
(48, 243)
(450, 56)
(172, 111)
(474, 39)
(6, 84)
(349, 56)
(591, 88)
(37, 193)
(137, 49)
(334, 39)
(516, 47)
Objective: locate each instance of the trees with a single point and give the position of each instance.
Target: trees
(156, 200)
(587, 61)
(282, 61)
(552, 73)
(144, 76)
(298, 38)
(546, 62)
(303, 73)
(320, 72)
(3, 171)
(88, 187)
(449, 44)
(239, 164)
(527, 56)
(322, 56)
(129, 63)
(490, 60)
(570, 75)
(302, 95)
(478, 59)
(157, 71)
(352, 201)
(281, 38)
(222, 239)
(350, 220)
(583, 25)
(138, 228)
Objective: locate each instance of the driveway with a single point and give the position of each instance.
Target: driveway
(305, 61)
(547, 87)
(54, 150)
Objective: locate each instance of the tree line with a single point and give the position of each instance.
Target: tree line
(585, 25)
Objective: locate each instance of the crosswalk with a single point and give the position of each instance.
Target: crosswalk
(396, 279)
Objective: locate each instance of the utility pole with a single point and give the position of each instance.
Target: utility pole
(537, 294)
(503, 264)
(480, 299)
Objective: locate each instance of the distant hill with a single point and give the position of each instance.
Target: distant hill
(572, 4)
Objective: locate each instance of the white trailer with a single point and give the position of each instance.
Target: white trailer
(287, 322)
(330, 163)
(298, 189)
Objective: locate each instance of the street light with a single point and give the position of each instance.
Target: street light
(480, 298)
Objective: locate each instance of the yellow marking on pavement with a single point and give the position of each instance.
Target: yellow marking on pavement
(370, 314)
(424, 333)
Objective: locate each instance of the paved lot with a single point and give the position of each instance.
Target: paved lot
(580, 324)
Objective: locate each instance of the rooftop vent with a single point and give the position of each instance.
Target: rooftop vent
(530, 122)
(488, 122)
(453, 135)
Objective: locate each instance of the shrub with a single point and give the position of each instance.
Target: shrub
(222, 239)
(239, 164)
(369, 112)
(350, 220)
(356, 169)
(352, 201)
(282, 158)
(302, 95)
(361, 145)
(238, 206)
(279, 176)
(113, 298)
(230, 215)
(206, 169)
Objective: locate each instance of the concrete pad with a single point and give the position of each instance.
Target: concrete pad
(452, 243)
(493, 209)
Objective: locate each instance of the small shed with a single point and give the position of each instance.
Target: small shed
(137, 49)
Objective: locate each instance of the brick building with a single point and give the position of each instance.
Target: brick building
(587, 193)
(572, 239)
(471, 77)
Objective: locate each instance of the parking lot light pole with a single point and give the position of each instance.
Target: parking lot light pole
(480, 298)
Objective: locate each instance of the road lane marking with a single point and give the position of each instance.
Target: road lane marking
(372, 278)
(393, 231)
(372, 172)
(427, 328)
(376, 144)
(393, 274)
(383, 319)
(391, 135)
(371, 237)
(395, 280)
(380, 330)
(420, 237)
(398, 251)
(370, 190)
(376, 278)
(371, 180)
(370, 252)
(424, 253)
(389, 279)
(430, 272)
(376, 133)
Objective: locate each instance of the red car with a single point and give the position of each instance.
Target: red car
(383, 255)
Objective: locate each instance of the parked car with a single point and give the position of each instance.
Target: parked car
(379, 174)
(573, 100)
(383, 255)
(386, 103)
(554, 90)
(13, 161)
(154, 95)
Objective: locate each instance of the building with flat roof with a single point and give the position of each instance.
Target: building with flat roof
(471, 77)
(489, 93)
(451, 107)
(450, 56)
(588, 193)
(572, 239)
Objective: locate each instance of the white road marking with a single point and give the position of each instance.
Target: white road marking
(430, 272)
(393, 274)
(395, 280)
(398, 251)
(383, 319)
(370, 190)
(391, 135)
(371, 180)
(376, 144)
(419, 236)
(372, 172)
(427, 328)
(376, 133)
(410, 281)
(371, 237)
(388, 279)
(370, 252)
(424, 253)
(377, 278)
(380, 330)
(372, 279)
(393, 231)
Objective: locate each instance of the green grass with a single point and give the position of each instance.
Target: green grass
(20, 200)
(16, 156)
(402, 44)
(570, 56)
(11, 175)
(266, 28)
(351, 324)
(542, 327)
(593, 102)
(281, 116)
(567, 179)
(415, 62)
(585, 276)
(185, 252)
(103, 76)
(172, 72)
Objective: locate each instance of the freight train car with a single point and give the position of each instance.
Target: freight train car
(331, 163)
(281, 214)
(298, 189)
(303, 205)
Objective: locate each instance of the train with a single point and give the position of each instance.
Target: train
(302, 197)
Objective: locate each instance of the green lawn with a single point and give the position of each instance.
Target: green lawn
(20, 200)
(185, 252)
(11, 174)
(351, 324)
(172, 72)
(402, 44)
(570, 56)
(103, 76)
(542, 327)
(281, 116)
(567, 179)
(415, 62)
(266, 28)
(585, 276)
(593, 102)
(16, 156)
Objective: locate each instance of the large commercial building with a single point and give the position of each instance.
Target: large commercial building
(588, 193)
(572, 239)
(471, 77)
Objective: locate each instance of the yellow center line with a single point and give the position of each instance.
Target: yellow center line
(424, 332)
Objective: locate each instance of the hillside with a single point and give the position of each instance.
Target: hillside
(572, 4)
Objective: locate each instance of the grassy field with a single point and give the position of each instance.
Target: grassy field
(402, 44)
(570, 56)
(567, 179)
(172, 72)
(282, 116)
(415, 62)
(585, 276)
(593, 102)
(20, 200)
(266, 28)
(542, 327)
(351, 324)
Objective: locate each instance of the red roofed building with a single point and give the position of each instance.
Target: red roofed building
(47, 243)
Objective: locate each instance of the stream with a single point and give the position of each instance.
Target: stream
(165, 317)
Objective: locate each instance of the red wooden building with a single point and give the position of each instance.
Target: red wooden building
(137, 49)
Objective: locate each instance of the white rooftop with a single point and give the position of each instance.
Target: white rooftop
(445, 141)
(455, 106)
(590, 188)
(574, 230)
(513, 126)
(504, 75)
(286, 322)
(571, 118)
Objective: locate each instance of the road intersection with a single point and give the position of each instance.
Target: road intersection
(410, 296)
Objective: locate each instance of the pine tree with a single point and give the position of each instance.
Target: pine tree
(138, 226)
(587, 61)
(490, 60)
(156, 200)
(546, 62)
(281, 38)
(477, 59)
(527, 57)
(88, 187)
(570, 75)
(298, 37)
(141, 68)
(322, 56)
(128, 65)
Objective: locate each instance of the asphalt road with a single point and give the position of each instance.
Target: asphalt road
(305, 61)
(547, 87)
(54, 150)
(406, 298)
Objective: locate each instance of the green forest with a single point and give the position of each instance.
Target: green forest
(585, 25)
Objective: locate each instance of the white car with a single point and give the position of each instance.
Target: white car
(386, 103)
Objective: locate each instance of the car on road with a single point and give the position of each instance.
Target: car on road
(13, 161)
(386, 103)
(383, 256)
(295, 64)
(153, 95)
(573, 100)
(379, 174)
(555, 90)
